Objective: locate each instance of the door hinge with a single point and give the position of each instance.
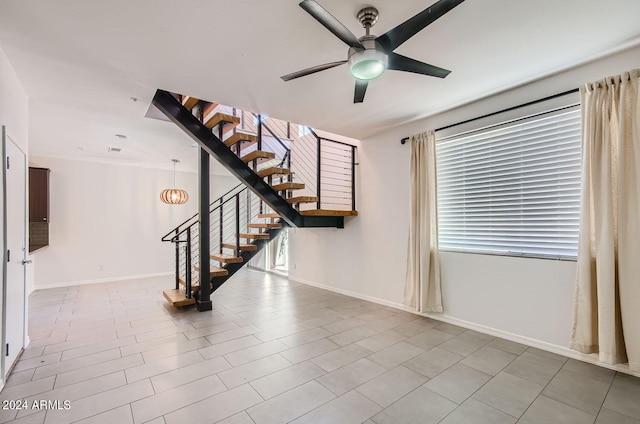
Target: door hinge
(7, 350)
(8, 163)
(8, 255)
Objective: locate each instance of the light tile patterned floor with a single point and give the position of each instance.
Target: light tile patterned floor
(273, 351)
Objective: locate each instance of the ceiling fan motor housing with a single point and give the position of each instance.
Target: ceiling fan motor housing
(369, 42)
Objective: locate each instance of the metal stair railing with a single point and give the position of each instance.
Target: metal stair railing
(327, 167)
(229, 217)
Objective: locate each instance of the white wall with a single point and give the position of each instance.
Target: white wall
(14, 104)
(525, 299)
(14, 115)
(106, 221)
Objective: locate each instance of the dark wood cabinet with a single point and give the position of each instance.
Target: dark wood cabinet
(38, 208)
(39, 194)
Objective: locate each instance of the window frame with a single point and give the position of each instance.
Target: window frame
(515, 115)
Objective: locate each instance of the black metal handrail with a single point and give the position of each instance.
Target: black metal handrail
(220, 203)
(273, 134)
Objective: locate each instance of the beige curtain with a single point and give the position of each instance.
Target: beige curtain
(607, 302)
(422, 284)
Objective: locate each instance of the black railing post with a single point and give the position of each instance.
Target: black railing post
(188, 265)
(255, 162)
(248, 208)
(238, 224)
(353, 178)
(235, 129)
(177, 259)
(259, 132)
(319, 181)
(221, 227)
(204, 300)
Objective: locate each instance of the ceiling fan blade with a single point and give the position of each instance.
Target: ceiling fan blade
(361, 88)
(332, 24)
(393, 38)
(398, 62)
(311, 70)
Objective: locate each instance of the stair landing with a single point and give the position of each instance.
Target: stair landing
(328, 212)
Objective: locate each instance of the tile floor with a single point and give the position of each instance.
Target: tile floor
(273, 351)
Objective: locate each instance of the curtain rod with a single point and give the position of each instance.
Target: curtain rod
(564, 93)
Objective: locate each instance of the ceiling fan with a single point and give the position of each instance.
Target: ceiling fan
(369, 56)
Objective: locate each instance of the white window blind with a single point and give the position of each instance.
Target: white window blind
(512, 189)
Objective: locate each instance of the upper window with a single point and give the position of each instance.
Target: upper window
(512, 189)
(303, 130)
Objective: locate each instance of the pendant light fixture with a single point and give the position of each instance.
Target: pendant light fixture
(174, 196)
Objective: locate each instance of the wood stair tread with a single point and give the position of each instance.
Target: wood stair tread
(258, 154)
(328, 212)
(288, 186)
(255, 236)
(240, 137)
(273, 171)
(208, 109)
(177, 298)
(214, 271)
(302, 199)
(229, 121)
(189, 102)
(264, 225)
(269, 215)
(226, 258)
(244, 247)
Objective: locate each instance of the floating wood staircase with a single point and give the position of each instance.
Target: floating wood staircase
(243, 153)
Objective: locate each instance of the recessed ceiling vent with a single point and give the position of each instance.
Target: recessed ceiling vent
(114, 149)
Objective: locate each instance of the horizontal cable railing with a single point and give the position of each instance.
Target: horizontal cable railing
(326, 167)
(337, 174)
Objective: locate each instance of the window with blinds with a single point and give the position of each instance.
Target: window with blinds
(512, 189)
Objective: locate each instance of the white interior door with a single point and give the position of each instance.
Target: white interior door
(15, 164)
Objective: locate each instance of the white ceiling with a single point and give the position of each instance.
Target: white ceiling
(82, 61)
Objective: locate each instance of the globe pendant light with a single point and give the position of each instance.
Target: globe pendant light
(174, 196)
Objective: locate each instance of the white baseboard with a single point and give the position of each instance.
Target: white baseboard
(539, 344)
(101, 280)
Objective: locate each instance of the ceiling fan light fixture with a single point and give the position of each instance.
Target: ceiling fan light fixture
(368, 64)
